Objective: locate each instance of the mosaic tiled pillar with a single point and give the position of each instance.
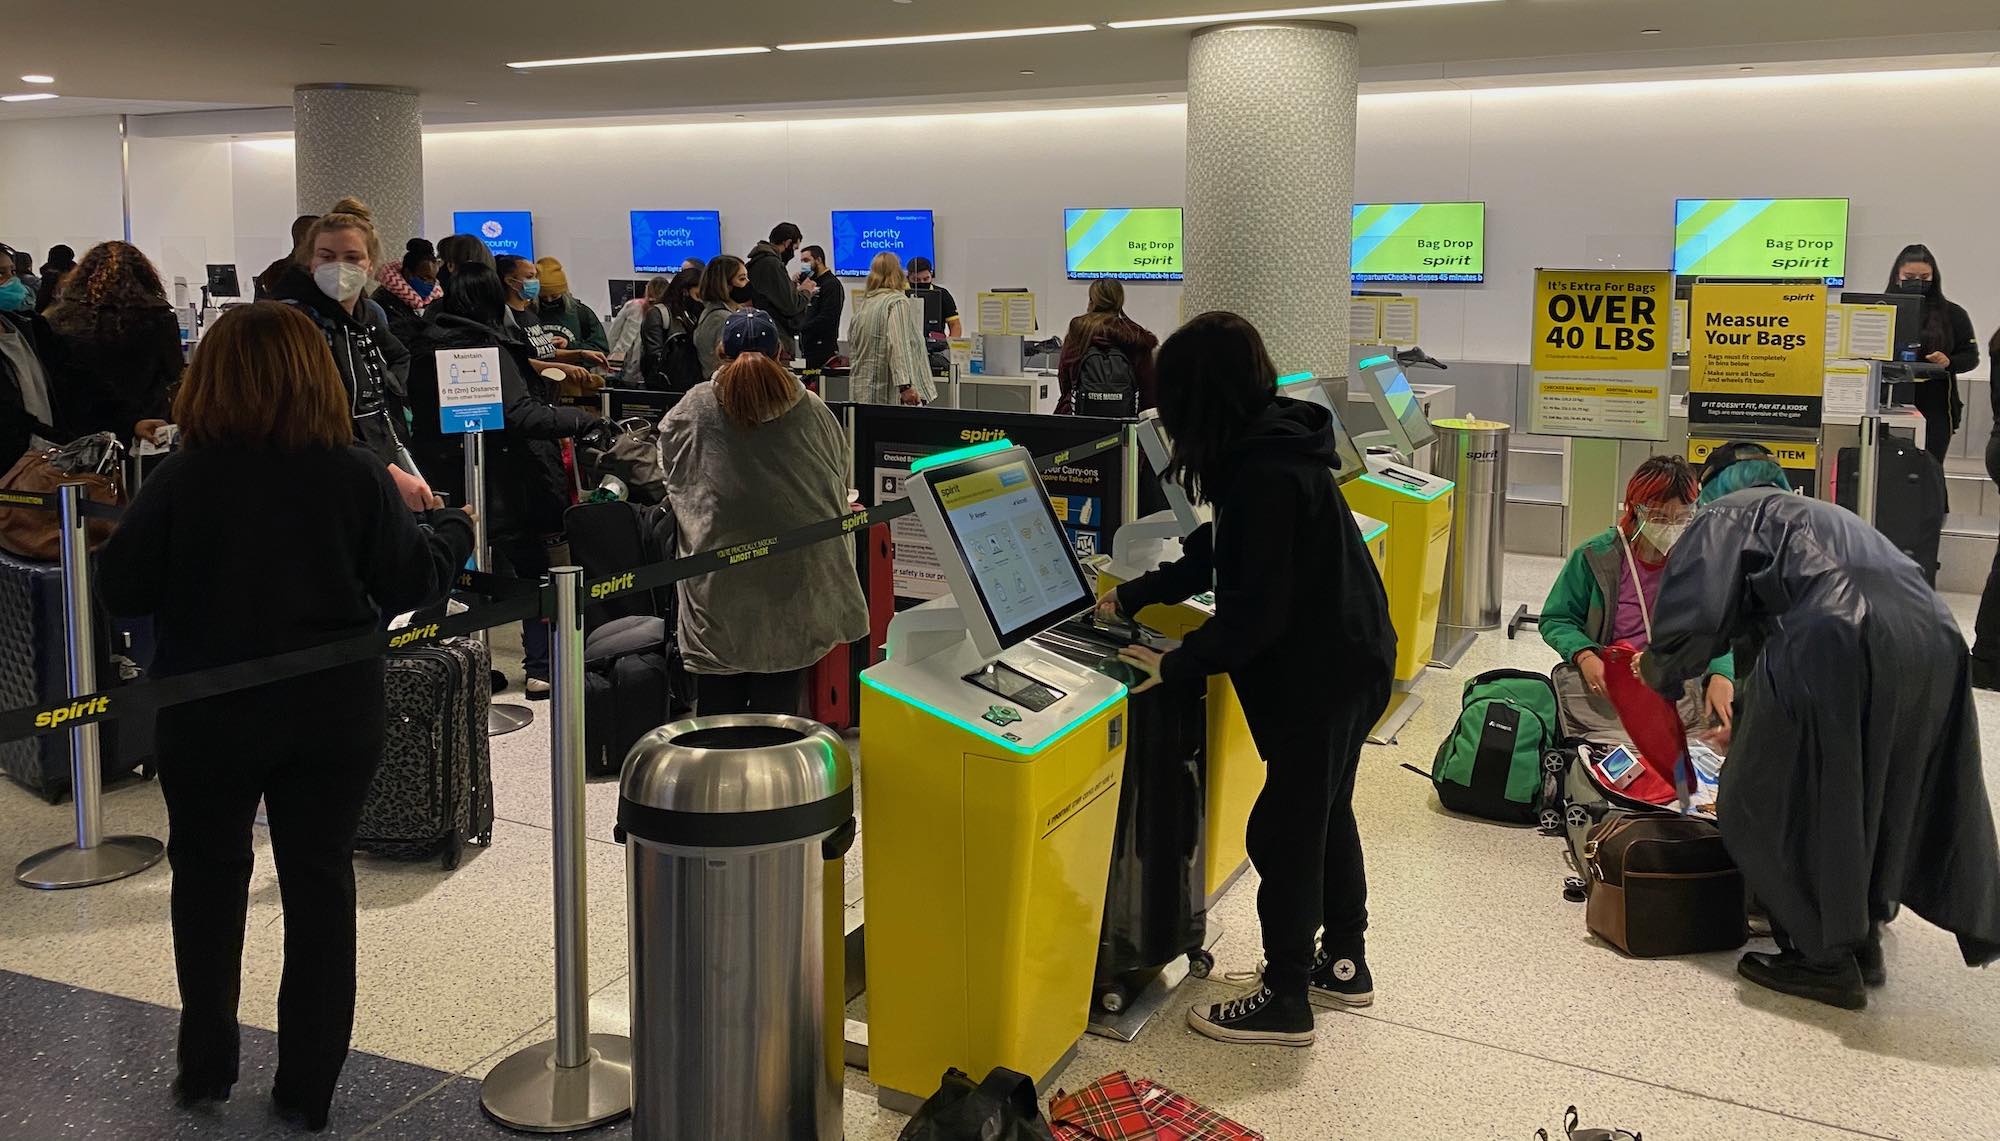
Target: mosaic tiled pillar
(1270, 184)
(363, 142)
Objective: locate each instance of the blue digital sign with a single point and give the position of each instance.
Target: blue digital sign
(663, 239)
(503, 231)
(858, 235)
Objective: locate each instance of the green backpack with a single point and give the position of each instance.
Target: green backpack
(1491, 766)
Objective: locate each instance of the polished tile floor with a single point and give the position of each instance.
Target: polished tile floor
(1495, 1008)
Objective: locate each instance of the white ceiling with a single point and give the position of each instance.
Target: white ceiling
(145, 56)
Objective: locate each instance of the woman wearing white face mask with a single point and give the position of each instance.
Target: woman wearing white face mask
(331, 284)
(1609, 589)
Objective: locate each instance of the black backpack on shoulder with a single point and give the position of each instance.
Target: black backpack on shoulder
(683, 365)
(1106, 384)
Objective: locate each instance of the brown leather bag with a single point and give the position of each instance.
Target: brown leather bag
(1663, 884)
(95, 463)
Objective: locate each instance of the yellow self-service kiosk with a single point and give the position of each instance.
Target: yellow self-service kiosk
(991, 773)
(1417, 507)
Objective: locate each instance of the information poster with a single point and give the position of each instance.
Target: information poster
(1383, 320)
(469, 390)
(1759, 355)
(1602, 353)
(918, 573)
(1846, 388)
(1799, 458)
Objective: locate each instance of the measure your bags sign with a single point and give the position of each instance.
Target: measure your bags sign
(1601, 357)
(1757, 355)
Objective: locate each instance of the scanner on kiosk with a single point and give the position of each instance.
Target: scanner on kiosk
(1417, 506)
(992, 790)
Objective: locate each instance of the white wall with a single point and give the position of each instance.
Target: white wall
(1573, 176)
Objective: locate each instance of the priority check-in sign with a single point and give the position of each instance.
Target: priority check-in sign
(469, 390)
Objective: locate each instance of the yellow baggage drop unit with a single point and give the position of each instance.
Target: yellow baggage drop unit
(991, 772)
(1417, 507)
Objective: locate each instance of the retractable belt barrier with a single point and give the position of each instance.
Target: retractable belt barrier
(50, 502)
(514, 600)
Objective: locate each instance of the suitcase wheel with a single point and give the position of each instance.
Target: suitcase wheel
(1575, 890)
(1555, 762)
(1111, 999)
(1200, 962)
(1577, 816)
(1551, 821)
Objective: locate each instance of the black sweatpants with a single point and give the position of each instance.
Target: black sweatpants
(749, 693)
(1986, 627)
(309, 747)
(1306, 848)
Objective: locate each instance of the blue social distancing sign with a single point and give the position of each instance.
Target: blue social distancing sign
(469, 390)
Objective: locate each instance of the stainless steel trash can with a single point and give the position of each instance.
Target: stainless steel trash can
(1472, 453)
(730, 825)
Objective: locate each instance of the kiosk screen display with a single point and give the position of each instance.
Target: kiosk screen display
(1159, 452)
(858, 235)
(1131, 244)
(1313, 390)
(663, 239)
(1761, 237)
(503, 231)
(1011, 545)
(1402, 413)
(1420, 241)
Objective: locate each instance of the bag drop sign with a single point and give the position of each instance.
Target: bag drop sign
(469, 390)
(1601, 355)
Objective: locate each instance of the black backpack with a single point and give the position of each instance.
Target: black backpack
(683, 366)
(1106, 384)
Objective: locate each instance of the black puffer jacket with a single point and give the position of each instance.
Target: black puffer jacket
(526, 486)
(373, 364)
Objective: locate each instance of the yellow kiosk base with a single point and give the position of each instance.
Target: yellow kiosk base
(984, 875)
(1417, 508)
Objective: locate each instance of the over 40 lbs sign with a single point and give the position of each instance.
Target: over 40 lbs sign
(1601, 355)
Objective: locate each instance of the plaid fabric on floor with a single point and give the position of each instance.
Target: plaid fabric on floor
(1116, 1107)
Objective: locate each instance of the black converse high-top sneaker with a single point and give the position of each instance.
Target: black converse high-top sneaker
(1257, 1018)
(1340, 980)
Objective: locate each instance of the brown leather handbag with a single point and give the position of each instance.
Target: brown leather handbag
(96, 463)
(1663, 884)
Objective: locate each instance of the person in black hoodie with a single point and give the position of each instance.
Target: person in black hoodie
(330, 284)
(121, 341)
(772, 288)
(1949, 341)
(270, 532)
(62, 259)
(819, 332)
(1302, 628)
(526, 487)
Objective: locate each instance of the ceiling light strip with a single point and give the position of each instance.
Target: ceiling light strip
(941, 38)
(638, 57)
(34, 97)
(1289, 13)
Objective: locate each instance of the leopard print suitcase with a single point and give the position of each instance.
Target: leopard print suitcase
(433, 793)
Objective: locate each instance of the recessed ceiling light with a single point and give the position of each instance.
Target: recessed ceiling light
(38, 79)
(1288, 13)
(1650, 31)
(31, 97)
(328, 44)
(1746, 67)
(638, 57)
(942, 38)
(472, 102)
(1027, 71)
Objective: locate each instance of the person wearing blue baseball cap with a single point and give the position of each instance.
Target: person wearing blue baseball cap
(748, 455)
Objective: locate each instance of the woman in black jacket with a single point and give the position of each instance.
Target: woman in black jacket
(1948, 342)
(267, 533)
(674, 314)
(121, 343)
(1302, 628)
(526, 488)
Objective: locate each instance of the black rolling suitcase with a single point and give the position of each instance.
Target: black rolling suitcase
(634, 681)
(1910, 501)
(433, 793)
(34, 667)
(1156, 903)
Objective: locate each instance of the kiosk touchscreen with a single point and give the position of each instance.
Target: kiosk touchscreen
(994, 768)
(1405, 428)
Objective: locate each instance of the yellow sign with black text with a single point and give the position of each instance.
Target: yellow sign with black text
(1799, 458)
(1601, 355)
(1757, 355)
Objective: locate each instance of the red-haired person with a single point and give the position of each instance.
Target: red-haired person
(1609, 589)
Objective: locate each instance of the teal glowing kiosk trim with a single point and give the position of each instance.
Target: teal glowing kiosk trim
(1116, 696)
(1371, 362)
(1293, 378)
(1406, 489)
(1371, 536)
(957, 454)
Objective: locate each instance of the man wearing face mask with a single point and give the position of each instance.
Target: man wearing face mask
(1949, 342)
(772, 288)
(819, 334)
(1608, 592)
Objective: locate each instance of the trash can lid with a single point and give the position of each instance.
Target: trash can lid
(1470, 424)
(736, 781)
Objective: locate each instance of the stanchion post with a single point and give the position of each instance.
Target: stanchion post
(94, 858)
(500, 718)
(1868, 471)
(577, 1079)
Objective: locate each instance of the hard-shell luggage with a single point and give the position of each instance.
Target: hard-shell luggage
(1156, 901)
(830, 689)
(34, 668)
(626, 693)
(875, 563)
(433, 793)
(1910, 498)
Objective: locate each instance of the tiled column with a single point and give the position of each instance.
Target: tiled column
(363, 142)
(1270, 184)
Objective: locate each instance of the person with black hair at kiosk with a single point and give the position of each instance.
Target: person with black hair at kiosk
(1949, 342)
(1854, 781)
(1302, 627)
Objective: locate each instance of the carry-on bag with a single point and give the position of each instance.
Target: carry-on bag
(95, 463)
(1001, 1108)
(1911, 497)
(626, 692)
(633, 457)
(433, 793)
(1663, 884)
(1493, 765)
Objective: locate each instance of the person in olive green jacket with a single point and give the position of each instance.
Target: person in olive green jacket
(1607, 591)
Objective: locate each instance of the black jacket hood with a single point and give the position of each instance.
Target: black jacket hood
(1291, 429)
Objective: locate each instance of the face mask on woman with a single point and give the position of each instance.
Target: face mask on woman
(530, 289)
(340, 280)
(1663, 536)
(740, 294)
